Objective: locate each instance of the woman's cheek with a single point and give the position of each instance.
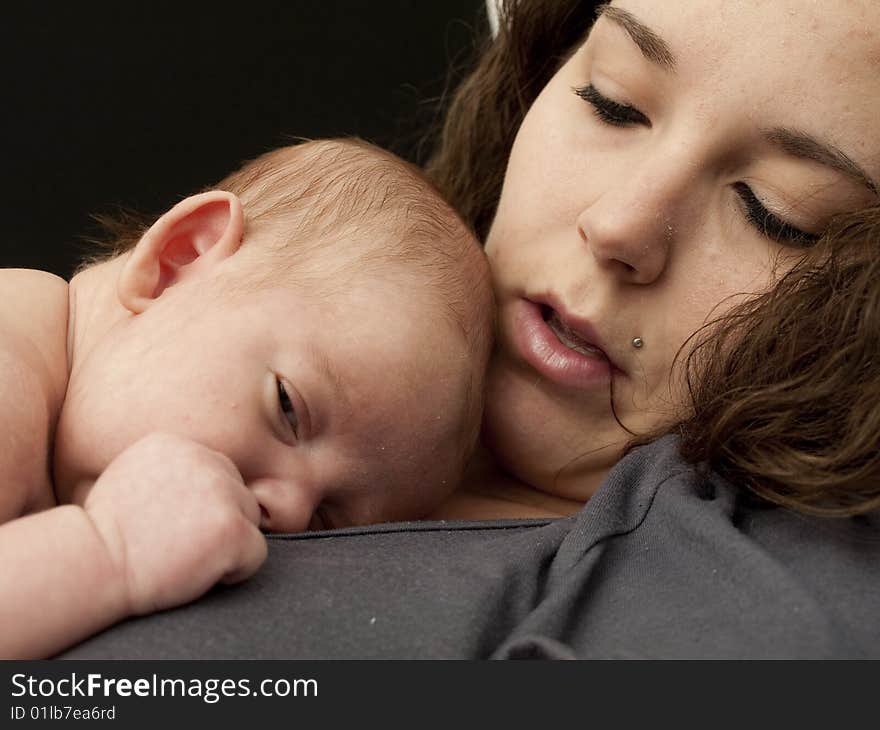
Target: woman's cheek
(495, 252)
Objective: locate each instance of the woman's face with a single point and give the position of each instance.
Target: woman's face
(679, 157)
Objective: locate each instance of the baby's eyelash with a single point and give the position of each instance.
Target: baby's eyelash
(610, 111)
(287, 409)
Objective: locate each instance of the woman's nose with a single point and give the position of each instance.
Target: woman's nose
(631, 227)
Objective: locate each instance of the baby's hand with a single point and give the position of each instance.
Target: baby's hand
(176, 517)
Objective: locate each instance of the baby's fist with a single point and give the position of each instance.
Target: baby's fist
(177, 518)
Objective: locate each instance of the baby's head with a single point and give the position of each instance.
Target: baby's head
(323, 318)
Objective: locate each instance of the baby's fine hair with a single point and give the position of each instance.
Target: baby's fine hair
(354, 200)
(372, 211)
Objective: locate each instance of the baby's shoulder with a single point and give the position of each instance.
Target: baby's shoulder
(33, 312)
(33, 380)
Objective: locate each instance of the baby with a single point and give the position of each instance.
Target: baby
(301, 348)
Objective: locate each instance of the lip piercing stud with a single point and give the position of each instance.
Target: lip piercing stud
(637, 343)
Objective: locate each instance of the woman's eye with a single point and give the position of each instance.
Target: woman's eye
(286, 406)
(768, 224)
(610, 111)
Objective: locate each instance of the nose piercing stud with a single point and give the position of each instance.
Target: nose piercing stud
(637, 343)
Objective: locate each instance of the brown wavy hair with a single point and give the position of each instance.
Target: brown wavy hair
(785, 388)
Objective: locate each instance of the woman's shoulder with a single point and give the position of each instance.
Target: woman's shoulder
(682, 562)
(655, 491)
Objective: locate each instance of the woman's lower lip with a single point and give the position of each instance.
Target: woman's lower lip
(539, 346)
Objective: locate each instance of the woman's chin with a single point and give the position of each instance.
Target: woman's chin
(542, 441)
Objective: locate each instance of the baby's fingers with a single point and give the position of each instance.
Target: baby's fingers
(247, 503)
(252, 551)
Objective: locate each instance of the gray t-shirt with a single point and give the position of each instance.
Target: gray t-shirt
(661, 563)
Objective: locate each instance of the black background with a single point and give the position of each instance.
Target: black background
(140, 104)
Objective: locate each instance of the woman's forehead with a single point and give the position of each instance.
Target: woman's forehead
(845, 31)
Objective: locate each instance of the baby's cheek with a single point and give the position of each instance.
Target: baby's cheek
(447, 454)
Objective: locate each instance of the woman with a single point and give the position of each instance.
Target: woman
(650, 185)
(677, 211)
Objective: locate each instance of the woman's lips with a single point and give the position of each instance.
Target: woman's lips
(552, 348)
(567, 336)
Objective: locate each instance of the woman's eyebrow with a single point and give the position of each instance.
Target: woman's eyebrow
(652, 46)
(800, 144)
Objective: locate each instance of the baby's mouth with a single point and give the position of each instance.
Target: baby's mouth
(567, 337)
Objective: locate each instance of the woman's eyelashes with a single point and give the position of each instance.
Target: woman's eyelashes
(623, 115)
(610, 111)
(768, 224)
(288, 411)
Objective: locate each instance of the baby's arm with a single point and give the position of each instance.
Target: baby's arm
(59, 583)
(165, 521)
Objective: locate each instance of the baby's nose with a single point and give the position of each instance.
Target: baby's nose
(285, 505)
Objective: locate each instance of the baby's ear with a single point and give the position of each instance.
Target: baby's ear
(188, 240)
